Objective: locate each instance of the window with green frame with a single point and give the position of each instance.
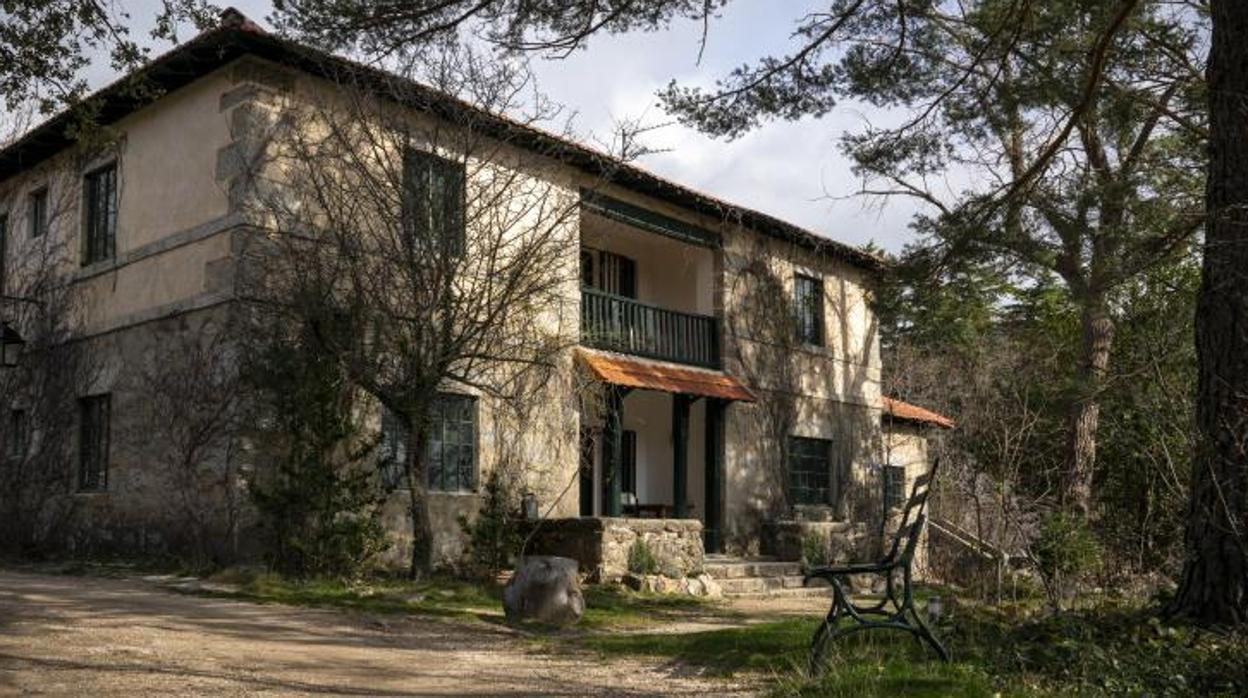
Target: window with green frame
(894, 487)
(810, 470)
(808, 305)
(434, 199)
(452, 461)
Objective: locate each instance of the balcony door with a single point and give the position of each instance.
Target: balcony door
(609, 272)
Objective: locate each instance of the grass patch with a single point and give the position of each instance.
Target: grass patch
(768, 646)
(617, 607)
(1109, 650)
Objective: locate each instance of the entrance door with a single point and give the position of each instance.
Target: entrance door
(587, 471)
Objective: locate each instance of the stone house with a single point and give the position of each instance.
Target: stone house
(736, 356)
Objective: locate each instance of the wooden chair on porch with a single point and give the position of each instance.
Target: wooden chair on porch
(896, 610)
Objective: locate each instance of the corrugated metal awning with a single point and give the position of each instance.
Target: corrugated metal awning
(647, 374)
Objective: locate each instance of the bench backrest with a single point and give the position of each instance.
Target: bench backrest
(913, 516)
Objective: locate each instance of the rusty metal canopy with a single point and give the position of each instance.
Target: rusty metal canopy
(647, 374)
(906, 412)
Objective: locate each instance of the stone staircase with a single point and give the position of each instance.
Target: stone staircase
(761, 577)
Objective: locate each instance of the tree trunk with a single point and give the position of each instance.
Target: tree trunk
(1215, 572)
(418, 499)
(1085, 409)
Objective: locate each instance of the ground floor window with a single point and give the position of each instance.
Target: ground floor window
(392, 451)
(452, 460)
(894, 487)
(15, 435)
(810, 470)
(93, 436)
(451, 456)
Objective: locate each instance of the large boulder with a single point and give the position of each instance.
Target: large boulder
(544, 588)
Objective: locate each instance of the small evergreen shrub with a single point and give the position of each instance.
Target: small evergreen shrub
(1067, 553)
(815, 551)
(641, 559)
(496, 533)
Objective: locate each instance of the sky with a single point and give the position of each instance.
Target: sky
(791, 170)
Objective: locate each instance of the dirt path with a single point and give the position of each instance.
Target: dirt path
(65, 635)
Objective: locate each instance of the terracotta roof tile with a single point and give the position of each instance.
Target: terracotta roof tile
(647, 374)
(913, 413)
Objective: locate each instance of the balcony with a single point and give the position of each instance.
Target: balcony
(616, 323)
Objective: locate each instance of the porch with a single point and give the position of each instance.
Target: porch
(656, 451)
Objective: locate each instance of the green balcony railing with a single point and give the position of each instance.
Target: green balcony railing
(616, 323)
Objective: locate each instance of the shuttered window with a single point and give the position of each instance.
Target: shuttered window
(38, 211)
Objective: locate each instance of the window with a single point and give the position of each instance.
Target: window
(392, 456)
(808, 304)
(810, 470)
(452, 458)
(894, 487)
(93, 435)
(609, 272)
(101, 214)
(15, 436)
(4, 245)
(434, 200)
(629, 466)
(38, 212)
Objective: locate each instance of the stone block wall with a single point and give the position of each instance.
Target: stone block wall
(601, 545)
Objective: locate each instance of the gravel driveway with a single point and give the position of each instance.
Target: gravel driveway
(65, 635)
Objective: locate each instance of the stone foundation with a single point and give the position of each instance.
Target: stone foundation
(601, 545)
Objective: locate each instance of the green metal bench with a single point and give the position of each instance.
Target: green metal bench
(896, 610)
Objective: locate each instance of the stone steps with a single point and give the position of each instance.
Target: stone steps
(761, 577)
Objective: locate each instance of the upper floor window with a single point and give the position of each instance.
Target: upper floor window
(810, 470)
(37, 207)
(434, 198)
(94, 421)
(100, 190)
(808, 305)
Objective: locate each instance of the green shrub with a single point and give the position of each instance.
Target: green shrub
(641, 559)
(496, 533)
(815, 551)
(316, 489)
(1067, 552)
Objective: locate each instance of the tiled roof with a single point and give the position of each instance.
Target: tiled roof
(646, 374)
(904, 411)
(236, 36)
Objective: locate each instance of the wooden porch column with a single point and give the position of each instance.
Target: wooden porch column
(713, 528)
(613, 454)
(680, 453)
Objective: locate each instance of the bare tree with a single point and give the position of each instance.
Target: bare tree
(188, 421)
(423, 250)
(37, 467)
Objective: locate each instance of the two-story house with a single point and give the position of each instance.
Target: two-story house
(737, 355)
